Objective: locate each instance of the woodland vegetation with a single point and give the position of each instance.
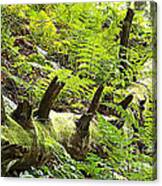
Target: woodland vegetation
(78, 97)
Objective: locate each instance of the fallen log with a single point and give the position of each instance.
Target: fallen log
(19, 158)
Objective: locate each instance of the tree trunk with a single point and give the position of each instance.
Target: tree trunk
(47, 101)
(124, 36)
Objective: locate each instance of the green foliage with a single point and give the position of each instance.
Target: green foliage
(80, 43)
(122, 161)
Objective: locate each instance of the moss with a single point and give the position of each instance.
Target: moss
(50, 135)
(46, 136)
(63, 125)
(15, 134)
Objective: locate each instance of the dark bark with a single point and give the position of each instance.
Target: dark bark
(141, 110)
(124, 104)
(84, 121)
(22, 114)
(50, 95)
(126, 101)
(24, 157)
(103, 109)
(124, 36)
(3, 113)
(80, 140)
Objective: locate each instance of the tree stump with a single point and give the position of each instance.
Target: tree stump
(47, 101)
(80, 141)
(22, 115)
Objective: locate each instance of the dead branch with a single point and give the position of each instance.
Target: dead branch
(126, 101)
(105, 110)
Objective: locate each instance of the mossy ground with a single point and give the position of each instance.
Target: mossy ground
(50, 135)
